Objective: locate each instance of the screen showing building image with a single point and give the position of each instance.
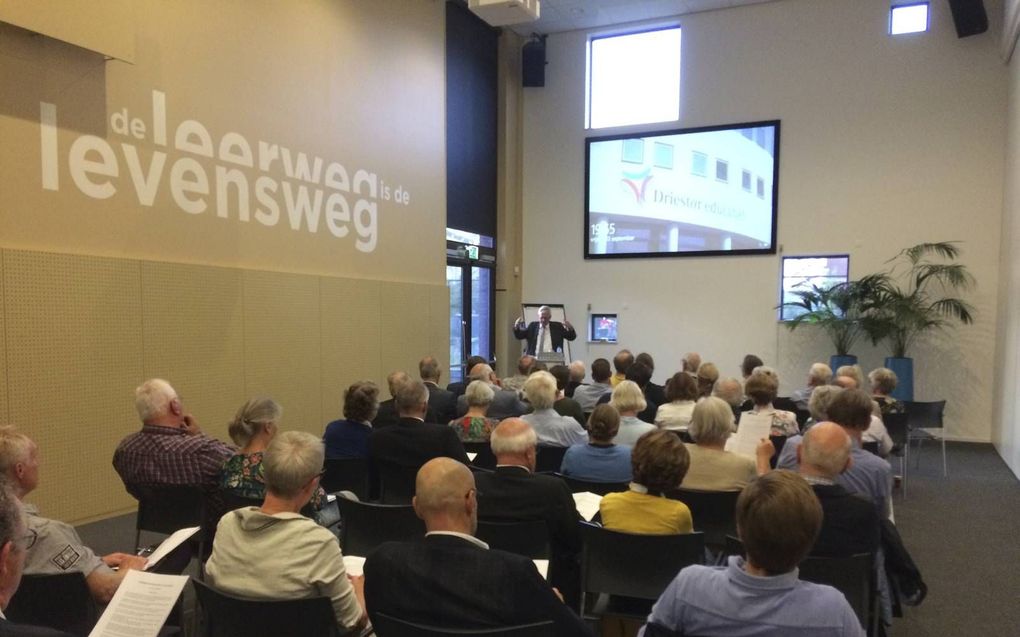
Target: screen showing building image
(688, 192)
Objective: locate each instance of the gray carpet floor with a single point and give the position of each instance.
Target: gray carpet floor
(963, 531)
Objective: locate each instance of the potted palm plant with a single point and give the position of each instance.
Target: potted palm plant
(914, 297)
(840, 310)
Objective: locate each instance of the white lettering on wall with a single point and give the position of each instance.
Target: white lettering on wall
(307, 188)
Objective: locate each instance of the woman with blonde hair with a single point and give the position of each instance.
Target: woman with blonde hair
(629, 401)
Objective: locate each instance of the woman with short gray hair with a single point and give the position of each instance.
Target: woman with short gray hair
(629, 400)
(712, 467)
(475, 426)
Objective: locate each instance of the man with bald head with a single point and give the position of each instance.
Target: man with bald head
(442, 403)
(732, 391)
(452, 579)
(850, 524)
(514, 492)
(505, 402)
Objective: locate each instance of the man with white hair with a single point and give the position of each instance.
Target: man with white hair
(544, 335)
(15, 540)
(514, 492)
(451, 578)
(551, 428)
(57, 548)
(691, 363)
(505, 403)
(272, 552)
(577, 374)
(170, 449)
(387, 415)
(819, 375)
(732, 391)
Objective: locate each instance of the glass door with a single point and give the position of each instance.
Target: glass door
(471, 308)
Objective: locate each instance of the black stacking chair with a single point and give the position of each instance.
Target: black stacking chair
(228, 616)
(367, 525)
(62, 602)
(853, 576)
(549, 459)
(601, 488)
(778, 442)
(386, 626)
(713, 512)
(896, 426)
(396, 482)
(484, 458)
(624, 573)
(925, 422)
(529, 538)
(346, 474)
(871, 447)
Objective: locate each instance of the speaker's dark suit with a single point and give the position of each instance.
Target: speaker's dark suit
(558, 332)
(447, 581)
(10, 629)
(514, 493)
(442, 404)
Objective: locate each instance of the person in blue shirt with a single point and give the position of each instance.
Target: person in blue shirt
(348, 437)
(599, 460)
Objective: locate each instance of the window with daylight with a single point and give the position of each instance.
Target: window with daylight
(634, 78)
(801, 273)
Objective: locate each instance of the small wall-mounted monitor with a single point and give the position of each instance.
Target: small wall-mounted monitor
(602, 328)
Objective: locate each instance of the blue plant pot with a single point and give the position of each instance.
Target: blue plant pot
(836, 361)
(904, 370)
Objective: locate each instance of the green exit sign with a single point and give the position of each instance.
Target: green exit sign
(472, 253)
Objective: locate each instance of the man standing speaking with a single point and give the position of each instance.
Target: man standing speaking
(544, 335)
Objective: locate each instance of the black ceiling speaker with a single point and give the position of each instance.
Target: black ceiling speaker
(969, 17)
(533, 62)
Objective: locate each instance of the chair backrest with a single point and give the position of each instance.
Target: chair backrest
(529, 538)
(778, 442)
(228, 616)
(346, 474)
(367, 525)
(386, 626)
(713, 512)
(871, 446)
(896, 426)
(549, 459)
(600, 488)
(634, 565)
(167, 508)
(925, 414)
(396, 482)
(784, 403)
(853, 576)
(61, 602)
(484, 458)
(232, 501)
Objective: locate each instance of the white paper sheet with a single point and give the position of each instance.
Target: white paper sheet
(142, 603)
(543, 567)
(472, 455)
(176, 539)
(354, 565)
(753, 427)
(587, 504)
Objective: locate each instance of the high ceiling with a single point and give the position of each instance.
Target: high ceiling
(568, 15)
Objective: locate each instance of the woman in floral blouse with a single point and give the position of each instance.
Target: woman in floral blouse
(474, 426)
(762, 388)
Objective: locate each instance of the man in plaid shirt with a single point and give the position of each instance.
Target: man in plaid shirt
(170, 448)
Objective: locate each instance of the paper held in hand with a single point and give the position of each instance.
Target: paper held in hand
(752, 428)
(168, 545)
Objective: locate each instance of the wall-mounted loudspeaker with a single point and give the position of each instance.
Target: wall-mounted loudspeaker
(969, 17)
(533, 62)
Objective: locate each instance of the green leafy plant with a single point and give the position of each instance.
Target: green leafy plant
(917, 296)
(840, 310)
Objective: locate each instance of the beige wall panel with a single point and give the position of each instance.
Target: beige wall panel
(3, 348)
(193, 333)
(74, 342)
(282, 345)
(106, 27)
(439, 328)
(404, 318)
(351, 337)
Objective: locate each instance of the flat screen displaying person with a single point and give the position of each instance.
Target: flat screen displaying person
(544, 335)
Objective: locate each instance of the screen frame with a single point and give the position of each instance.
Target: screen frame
(771, 250)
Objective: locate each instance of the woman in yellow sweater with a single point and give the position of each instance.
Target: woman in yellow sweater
(660, 462)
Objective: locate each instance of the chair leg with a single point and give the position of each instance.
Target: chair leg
(945, 469)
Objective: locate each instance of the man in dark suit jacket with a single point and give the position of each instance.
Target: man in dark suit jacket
(514, 492)
(536, 330)
(442, 403)
(640, 374)
(387, 414)
(458, 388)
(412, 442)
(451, 579)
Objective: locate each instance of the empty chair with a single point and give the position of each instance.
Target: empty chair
(924, 421)
(853, 576)
(713, 512)
(484, 458)
(601, 488)
(346, 474)
(366, 525)
(228, 616)
(630, 565)
(386, 626)
(62, 602)
(529, 538)
(549, 459)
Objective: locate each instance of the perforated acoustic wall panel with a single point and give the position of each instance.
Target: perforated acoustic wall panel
(4, 417)
(351, 335)
(404, 319)
(283, 345)
(74, 340)
(193, 330)
(439, 325)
